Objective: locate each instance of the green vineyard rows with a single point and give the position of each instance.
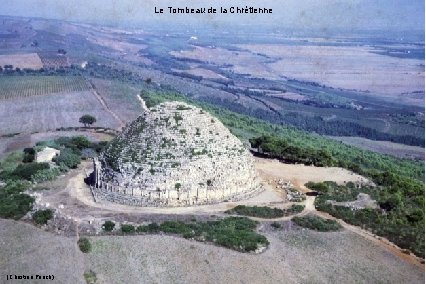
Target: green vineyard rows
(26, 86)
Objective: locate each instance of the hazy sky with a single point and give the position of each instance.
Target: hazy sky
(316, 14)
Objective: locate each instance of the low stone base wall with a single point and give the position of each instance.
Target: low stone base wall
(116, 197)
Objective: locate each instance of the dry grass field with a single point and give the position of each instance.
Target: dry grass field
(385, 147)
(116, 44)
(243, 62)
(354, 68)
(26, 250)
(351, 68)
(27, 60)
(120, 98)
(294, 256)
(48, 112)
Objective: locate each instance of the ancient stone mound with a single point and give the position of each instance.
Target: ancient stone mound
(174, 155)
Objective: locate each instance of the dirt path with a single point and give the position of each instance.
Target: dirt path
(105, 106)
(142, 102)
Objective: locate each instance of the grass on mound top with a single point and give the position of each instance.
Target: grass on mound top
(317, 223)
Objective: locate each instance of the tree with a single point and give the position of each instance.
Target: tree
(108, 226)
(84, 245)
(87, 119)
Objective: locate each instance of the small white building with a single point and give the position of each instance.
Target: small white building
(46, 155)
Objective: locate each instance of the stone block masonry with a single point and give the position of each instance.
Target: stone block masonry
(175, 154)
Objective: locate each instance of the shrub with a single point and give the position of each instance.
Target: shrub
(11, 161)
(45, 175)
(90, 277)
(41, 217)
(320, 186)
(98, 147)
(108, 226)
(13, 203)
(276, 225)
(25, 171)
(317, 223)
(68, 158)
(80, 142)
(61, 141)
(29, 155)
(142, 229)
(175, 227)
(153, 228)
(294, 209)
(84, 245)
(127, 228)
(254, 211)
(233, 232)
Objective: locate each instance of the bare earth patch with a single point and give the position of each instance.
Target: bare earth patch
(26, 60)
(301, 174)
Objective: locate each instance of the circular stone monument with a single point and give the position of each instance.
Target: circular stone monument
(174, 154)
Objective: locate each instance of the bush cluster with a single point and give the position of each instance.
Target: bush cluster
(14, 204)
(68, 158)
(24, 171)
(29, 155)
(127, 228)
(108, 226)
(317, 223)
(41, 217)
(254, 211)
(84, 245)
(265, 211)
(236, 233)
(45, 175)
